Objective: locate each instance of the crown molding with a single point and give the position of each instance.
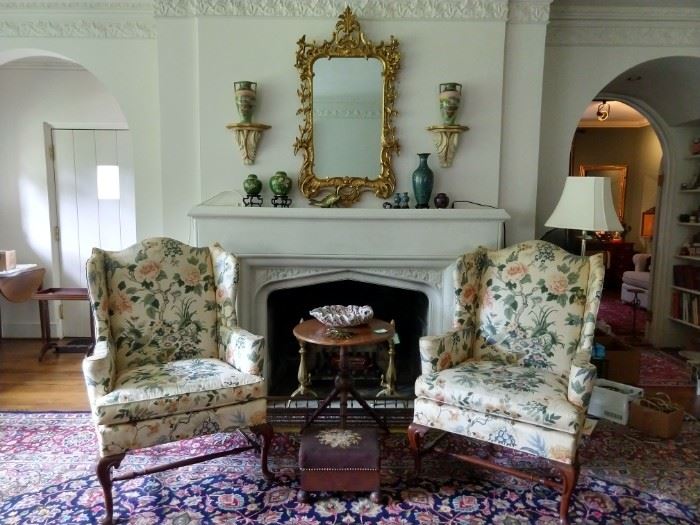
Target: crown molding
(624, 26)
(528, 11)
(76, 28)
(686, 34)
(77, 19)
(378, 9)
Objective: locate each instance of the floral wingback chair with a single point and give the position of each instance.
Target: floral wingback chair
(170, 361)
(516, 370)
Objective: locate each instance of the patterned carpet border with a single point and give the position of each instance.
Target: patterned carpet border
(47, 461)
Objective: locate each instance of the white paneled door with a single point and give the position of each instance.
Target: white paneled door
(94, 182)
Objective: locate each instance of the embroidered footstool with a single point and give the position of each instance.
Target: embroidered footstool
(342, 460)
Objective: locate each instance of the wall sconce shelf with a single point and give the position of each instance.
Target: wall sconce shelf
(248, 136)
(446, 139)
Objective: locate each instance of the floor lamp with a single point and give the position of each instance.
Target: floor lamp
(586, 204)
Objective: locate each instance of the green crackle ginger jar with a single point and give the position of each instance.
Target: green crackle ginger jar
(280, 183)
(252, 185)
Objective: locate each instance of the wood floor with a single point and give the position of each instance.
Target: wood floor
(56, 383)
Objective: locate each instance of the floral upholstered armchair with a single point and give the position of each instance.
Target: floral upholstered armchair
(170, 361)
(516, 370)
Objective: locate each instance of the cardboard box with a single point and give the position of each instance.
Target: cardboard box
(8, 260)
(610, 400)
(622, 362)
(662, 421)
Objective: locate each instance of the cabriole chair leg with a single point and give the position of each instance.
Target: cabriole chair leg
(569, 475)
(416, 434)
(104, 475)
(265, 432)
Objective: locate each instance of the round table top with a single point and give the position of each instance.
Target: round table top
(313, 331)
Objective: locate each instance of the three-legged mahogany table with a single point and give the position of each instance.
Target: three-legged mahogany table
(20, 285)
(315, 332)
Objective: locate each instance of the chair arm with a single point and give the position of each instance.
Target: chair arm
(99, 371)
(438, 352)
(581, 379)
(244, 351)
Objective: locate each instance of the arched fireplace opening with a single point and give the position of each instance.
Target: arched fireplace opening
(285, 307)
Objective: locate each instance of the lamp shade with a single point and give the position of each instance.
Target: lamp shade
(585, 204)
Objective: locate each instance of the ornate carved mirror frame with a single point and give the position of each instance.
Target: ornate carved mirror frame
(347, 41)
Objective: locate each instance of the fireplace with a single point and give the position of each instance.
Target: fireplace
(287, 254)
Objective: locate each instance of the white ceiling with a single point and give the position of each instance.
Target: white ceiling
(620, 116)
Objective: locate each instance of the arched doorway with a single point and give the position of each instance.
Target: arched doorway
(46, 95)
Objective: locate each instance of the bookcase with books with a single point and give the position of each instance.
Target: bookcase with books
(685, 295)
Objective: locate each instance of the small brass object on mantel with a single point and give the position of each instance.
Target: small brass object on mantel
(446, 139)
(248, 136)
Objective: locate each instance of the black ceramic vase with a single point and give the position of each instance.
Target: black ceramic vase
(422, 181)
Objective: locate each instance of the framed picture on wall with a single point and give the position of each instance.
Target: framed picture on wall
(618, 182)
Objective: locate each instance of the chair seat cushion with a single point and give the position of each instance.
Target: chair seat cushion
(188, 385)
(530, 395)
(638, 279)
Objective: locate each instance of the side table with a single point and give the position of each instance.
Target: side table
(635, 305)
(315, 332)
(20, 285)
(58, 294)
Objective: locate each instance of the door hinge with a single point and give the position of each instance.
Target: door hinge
(60, 311)
(57, 233)
(52, 152)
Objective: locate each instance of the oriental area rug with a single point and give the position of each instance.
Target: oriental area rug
(47, 461)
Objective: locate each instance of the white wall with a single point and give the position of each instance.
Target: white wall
(270, 62)
(30, 98)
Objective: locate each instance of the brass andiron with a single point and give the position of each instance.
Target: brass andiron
(388, 381)
(303, 375)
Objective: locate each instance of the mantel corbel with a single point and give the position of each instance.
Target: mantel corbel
(446, 138)
(247, 137)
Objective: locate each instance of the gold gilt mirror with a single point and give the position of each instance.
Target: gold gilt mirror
(347, 98)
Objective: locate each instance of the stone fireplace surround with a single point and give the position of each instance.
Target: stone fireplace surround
(292, 247)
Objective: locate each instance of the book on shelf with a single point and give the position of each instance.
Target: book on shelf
(686, 276)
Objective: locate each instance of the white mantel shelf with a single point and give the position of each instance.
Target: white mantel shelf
(348, 231)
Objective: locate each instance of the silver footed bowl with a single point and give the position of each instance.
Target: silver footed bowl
(337, 315)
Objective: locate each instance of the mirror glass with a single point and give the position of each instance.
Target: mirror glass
(347, 117)
(347, 92)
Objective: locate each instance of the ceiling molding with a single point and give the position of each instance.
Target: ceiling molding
(76, 28)
(114, 6)
(528, 11)
(641, 26)
(661, 34)
(377, 9)
(613, 124)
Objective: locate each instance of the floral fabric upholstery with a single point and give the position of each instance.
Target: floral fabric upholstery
(531, 395)
(149, 391)
(516, 370)
(115, 439)
(170, 359)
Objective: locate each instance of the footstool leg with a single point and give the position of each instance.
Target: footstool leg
(303, 496)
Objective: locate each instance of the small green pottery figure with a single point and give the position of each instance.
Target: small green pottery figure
(450, 97)
(252, 185)
(280, 183)
(246, 94)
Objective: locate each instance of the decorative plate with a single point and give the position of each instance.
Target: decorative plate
(337, 315)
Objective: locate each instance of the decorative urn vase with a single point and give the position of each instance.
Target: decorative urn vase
(252, 185)
(422, 181)
(280, 183)
(246, 96)
(450, 98)
(441, 200)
